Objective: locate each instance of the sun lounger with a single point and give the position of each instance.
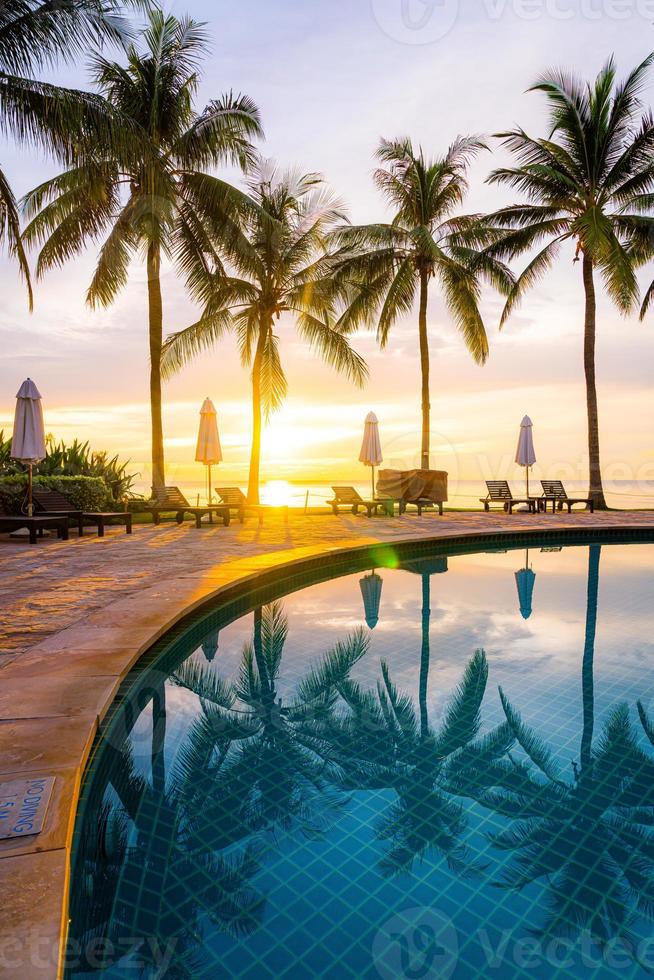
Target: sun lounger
(235, 499)
(554, 492)
(55, 504)
(499, 492)
(11, 522)
(171, 500)
(349, 497)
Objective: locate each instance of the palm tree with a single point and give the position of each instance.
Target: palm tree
(386, 265)
(277, 263)
(589, 182)
(35, 34)
(150, 198)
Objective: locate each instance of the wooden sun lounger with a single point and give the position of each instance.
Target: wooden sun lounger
(349, 497)
(173, 501)
(499, 492)
(235, 499)
(11, 522)
(555, 493)
(55, 504)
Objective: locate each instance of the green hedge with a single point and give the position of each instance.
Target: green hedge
(84, 492)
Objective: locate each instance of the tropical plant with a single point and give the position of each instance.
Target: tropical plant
(590, 183)
(36, 34)
(85, 493)
(276, 263)
(149, 196)
(74, 460)
(384, 266)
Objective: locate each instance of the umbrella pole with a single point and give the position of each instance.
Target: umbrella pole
(527, 481)
(209, 500)
(373, 482)
(30, 505)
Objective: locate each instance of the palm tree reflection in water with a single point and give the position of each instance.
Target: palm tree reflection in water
(587, 838)
(178, 856)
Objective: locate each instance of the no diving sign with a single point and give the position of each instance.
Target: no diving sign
(23, 806)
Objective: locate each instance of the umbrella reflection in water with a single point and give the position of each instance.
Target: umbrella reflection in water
(210, 646)
(371, 590)
(525, 580)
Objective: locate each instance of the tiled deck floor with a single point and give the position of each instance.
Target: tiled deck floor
(75, 616)
(50, 586)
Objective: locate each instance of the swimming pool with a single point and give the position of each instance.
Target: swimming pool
(440, 766)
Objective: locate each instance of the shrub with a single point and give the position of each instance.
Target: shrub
(84, 492)
(75, 460)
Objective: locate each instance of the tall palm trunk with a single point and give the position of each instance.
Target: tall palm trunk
(596, 489)
(155, 311)
(424, 368)
(587, 679)
(255, 452)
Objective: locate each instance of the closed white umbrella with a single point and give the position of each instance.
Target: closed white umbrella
(526, 454)
(371, 451)
(28, 438)
(208, 449)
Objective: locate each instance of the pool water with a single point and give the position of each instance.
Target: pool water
(442, 768)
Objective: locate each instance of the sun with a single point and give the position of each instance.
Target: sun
(277, 493)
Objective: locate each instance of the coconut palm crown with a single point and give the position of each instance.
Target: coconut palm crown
(37, 34)
(271, 261)
(589, 183)
(387, 265)
(149, 198)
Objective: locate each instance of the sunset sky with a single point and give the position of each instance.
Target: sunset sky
(331, 77)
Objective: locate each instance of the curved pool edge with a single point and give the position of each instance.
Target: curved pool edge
(62, 688)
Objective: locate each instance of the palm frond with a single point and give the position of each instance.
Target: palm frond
(10, 232)
(333, 347)
(272, 379)
(536, 269)
(333, 670)
(182, 347)
(463, 713)
(645, 721)
(533, 747)
(205, 683)
(37, 34)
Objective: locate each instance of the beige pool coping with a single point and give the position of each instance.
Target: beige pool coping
(55, 694)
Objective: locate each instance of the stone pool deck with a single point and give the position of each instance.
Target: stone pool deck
(76, 616)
